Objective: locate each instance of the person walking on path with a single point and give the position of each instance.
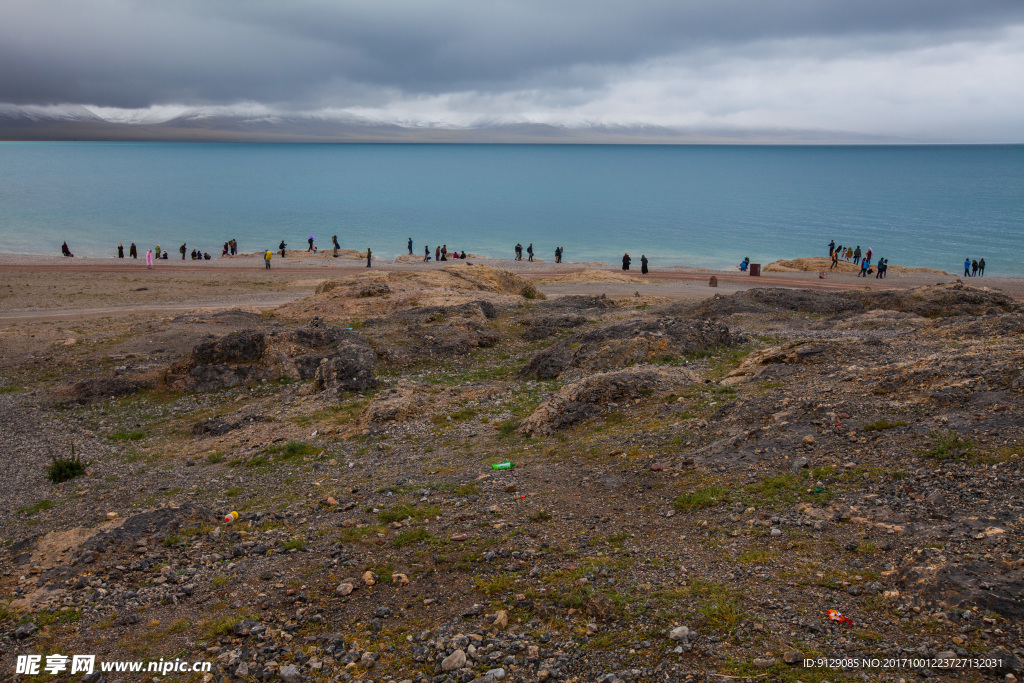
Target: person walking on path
(626, 261)
(529, 252)
(266, 258)
(867, 254)
(835, 260)
(981, 267)
(643, 264)
(519, 251)
(149, 259)
(281, 247)
(426, 252)
(883, 265)
(369, 255)
(120, 250)
(967, 267)
(864, 265)
(337, 247)
(133, 251)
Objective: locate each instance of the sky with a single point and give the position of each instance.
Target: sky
(906, 70)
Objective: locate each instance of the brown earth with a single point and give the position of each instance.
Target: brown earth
(842, 447)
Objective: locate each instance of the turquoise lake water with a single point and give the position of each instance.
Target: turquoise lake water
(706, 206)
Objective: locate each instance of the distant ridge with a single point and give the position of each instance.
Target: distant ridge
(81, 123)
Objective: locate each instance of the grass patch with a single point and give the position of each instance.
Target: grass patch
(541, 516)
(757, 556)
(405, 511)
(292, 449)
(410, 537)
(353, 534)
(133, 435)
(507, 428)
(234, 491)
(294, 544)
(947, 445)
(502, 583)
(701, 499)
(36, 507)
(882, 425)
(214, 458)
(786, 489)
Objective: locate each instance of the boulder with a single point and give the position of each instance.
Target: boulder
(621, 344)
(582, 399)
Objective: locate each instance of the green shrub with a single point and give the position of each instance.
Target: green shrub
(64, 469)
(948, 444)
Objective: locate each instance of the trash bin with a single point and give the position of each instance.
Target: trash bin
(755, 270)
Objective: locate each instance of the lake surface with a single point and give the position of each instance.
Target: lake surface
(706, 206)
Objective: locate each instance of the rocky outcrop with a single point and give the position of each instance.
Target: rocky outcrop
(755, 364)
(619, 345)
(97, 388)
(338, 359)
(589, 396)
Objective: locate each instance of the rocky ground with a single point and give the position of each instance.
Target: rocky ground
(696, 485)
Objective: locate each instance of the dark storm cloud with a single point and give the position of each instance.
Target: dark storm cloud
(309, 53)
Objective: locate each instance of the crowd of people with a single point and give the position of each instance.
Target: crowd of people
(862, 259)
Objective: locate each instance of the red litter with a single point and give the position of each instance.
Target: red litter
(836, 615)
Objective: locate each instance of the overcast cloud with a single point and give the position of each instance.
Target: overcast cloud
(934, 70)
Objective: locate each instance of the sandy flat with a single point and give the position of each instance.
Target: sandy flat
(53, 287)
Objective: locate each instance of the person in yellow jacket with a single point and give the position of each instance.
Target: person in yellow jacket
(266, 258)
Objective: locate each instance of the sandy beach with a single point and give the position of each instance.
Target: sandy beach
(53, 287)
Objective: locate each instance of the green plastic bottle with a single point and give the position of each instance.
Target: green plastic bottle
(503, 465)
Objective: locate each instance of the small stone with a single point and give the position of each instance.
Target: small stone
(776, 532)
(369, 578)
(501, 620)
(153, 623)
(400, 579)
(680, 633)
(801, 464)
(793, 657)
(112, 515)
(25, 631)
(344, 589)
(657, 468)
(935, 498)
(331, 501)
(289, 674)
(808, 440)
(764, 663)
(454, 661)
(495, 674)
(367, 660)
(851, 546)
(460, 537)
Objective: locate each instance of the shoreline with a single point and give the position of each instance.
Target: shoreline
(97, 288)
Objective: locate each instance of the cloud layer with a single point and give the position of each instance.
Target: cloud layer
(929, 70)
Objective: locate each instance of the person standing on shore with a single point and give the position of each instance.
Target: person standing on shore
(864, 266)
(519, 251)
(334, 239)
(849, 254)
(149, 259)
(529, 252)
(266, 258)
(883, 265)
(974, 268)
(120, 250)
(410, 246)
(426, 252)
(437, 254)
(643, 264)
(234, 247)
(831, 248)
(181, 250)
(133, 251)
(369, 255)
(967, 267)
(868, 253)
(626, 261)
(856, 255)
(981, 267)
(281, 247)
